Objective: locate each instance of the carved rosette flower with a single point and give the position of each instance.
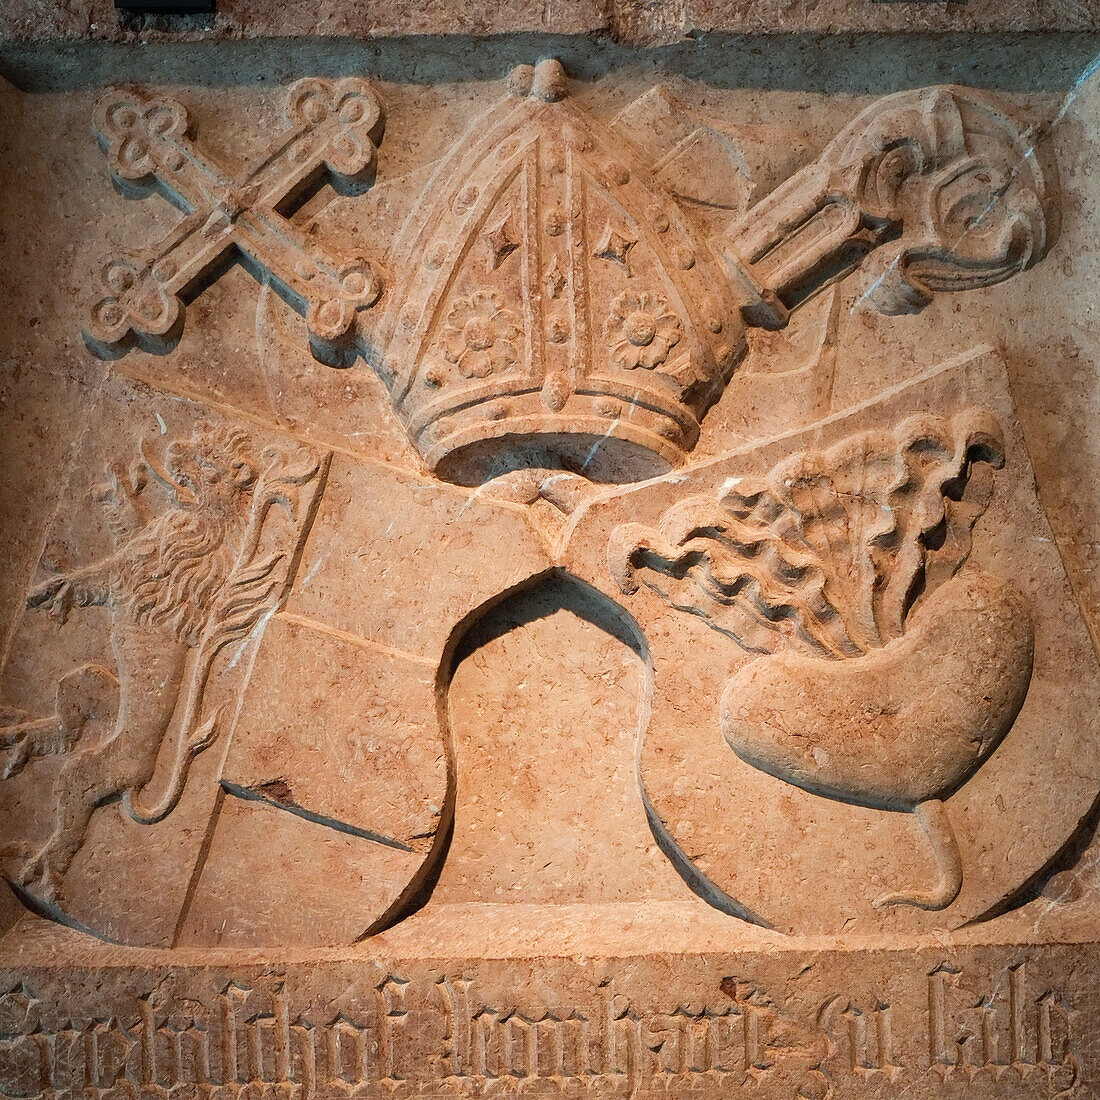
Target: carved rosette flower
(479, 335)
(641, 330)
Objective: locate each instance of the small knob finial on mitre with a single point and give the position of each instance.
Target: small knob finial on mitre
(547, 80)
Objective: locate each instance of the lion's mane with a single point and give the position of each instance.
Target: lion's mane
(169, 573)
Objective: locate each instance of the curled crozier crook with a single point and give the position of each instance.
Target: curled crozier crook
(944, 188)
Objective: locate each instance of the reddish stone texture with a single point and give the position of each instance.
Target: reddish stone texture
(582, 583)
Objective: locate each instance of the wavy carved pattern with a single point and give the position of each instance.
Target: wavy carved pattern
(827, 553)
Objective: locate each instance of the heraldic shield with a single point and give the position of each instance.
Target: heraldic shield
(242, 634)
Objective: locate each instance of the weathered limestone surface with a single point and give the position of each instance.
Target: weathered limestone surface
(625, 20)
(550, 564)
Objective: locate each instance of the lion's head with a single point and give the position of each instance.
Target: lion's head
(169, 573)
(210, 471)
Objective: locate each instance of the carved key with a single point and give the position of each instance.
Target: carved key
(333, 129)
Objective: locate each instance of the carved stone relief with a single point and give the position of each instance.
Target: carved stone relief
(827, 554)
(566, 564)
(865, 650)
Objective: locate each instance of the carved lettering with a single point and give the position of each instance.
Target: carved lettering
(394, 1017)
(1007, 1027)
(864, 1035)
(251, 1038)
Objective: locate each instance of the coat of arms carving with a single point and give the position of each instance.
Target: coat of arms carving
(839, 616)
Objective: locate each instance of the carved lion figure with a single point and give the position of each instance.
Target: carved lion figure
(179, 585)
